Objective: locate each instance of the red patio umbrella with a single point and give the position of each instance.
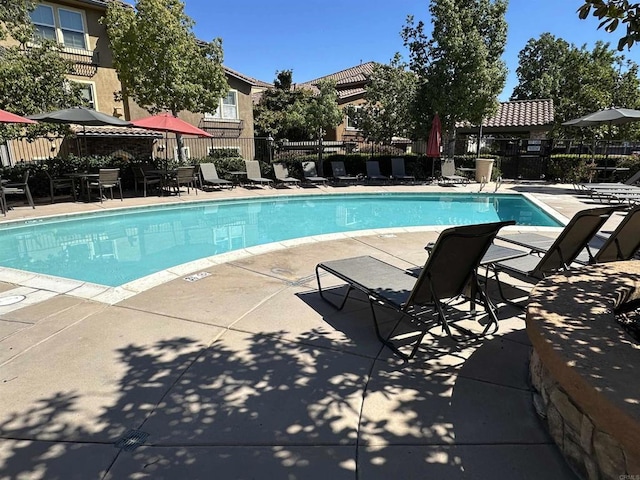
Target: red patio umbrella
(435, 140)
(8, 117)
(165, 122)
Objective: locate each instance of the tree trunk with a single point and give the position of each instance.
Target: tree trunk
(180, 144)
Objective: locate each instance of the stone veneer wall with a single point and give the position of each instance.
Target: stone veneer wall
(585, 368)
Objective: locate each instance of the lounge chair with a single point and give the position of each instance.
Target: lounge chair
(311, 174)
(450, 267)
(282, 175)
(449, 174)
(340, 174)
(209, 177)
(373, 172)
(562, 253)
(254, 175)
(624, 241)
(539, 243)
(398, 172)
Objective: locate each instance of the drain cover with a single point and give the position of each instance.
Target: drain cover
(131, 440)
(4, 301)
(197, 276)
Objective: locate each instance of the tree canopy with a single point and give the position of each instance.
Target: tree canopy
(389, 96)
(459, 67)
(15, 20)
(160, 63)
(579, 80)
(612, 13)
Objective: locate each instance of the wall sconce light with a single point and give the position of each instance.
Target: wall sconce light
(160, 147)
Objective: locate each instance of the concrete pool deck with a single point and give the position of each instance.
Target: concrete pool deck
(247, 373)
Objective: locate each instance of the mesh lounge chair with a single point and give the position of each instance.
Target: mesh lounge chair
(282, 175)
(373, 172)
(624, 242)
(564, 250)
(254, 175)
(450, 267)
(542, 243)
(398, 172)
(209, 177)
(340, 174)
(449, 172)
(311, 175)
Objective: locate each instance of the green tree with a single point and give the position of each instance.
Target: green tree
(160, 63)
(320, 112)
(15, 20)
(578, 80)
(389, 96)
(459, 67)
(277, 113)
(612, 13)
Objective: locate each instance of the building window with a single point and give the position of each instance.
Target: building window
(62, 25)
(88, 95)
(228, 108)
(350, 123)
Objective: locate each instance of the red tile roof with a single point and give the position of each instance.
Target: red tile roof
(522, 113)
(357, 74)
(108, 131)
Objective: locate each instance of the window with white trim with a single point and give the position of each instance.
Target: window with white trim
(65, 26)
(88, 94)
(228, 108)
(349, 122)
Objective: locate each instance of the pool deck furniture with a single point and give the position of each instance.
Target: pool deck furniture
(254, 175)
(19, 188)
(209, 177)
(451, 266)
(107, 179)
(281, 173)
(340, 175)
(398, 173)
(373, 172)
(448, 172)
(190, 377)
(311, 174)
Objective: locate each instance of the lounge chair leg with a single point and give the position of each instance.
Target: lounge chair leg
(344, 299)
(388, 343)
(502, 295)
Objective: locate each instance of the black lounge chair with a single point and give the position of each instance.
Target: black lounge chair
(563, 252)
(311, 174)
(340, 174)
(449, 269)
(209, 177)
(624, 241)
(398, 172)
(373, 172)
(542, 243)
(254, 175)
(282, 175)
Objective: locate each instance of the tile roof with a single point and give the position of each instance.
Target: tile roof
(357, 74)
(521, 113)
(247, 78)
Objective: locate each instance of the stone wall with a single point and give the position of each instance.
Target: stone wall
(584, 368)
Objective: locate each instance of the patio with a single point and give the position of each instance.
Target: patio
(247, 373)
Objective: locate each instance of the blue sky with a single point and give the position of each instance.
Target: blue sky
(319, 37)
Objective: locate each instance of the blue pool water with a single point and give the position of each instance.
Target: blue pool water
(114, 248)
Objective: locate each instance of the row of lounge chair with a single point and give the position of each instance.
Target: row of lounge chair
(452, 267)
(627, 192)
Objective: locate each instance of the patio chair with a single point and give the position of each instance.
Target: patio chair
(373, 172)
(398, 172)
(60, 183)
(108, 178)
(562, 253)
(209, 177)
(450, 267)
(282, 175)
(311, 175)
(340, 174)
(254, 175)
(624, 241)
(542, 243)
(448, 172)
(19, 188)
(142, 176)
(184, 177)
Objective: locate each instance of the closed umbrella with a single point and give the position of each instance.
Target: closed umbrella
(434, 142)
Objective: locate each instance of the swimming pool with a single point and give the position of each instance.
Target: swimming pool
(113, 248)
